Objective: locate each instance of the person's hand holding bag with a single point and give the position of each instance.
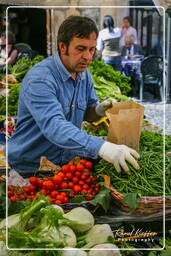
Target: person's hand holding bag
(118, 155)
(103, 106)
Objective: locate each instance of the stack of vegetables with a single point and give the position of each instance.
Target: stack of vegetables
(14, 79)
(40, 225)
(108, 82)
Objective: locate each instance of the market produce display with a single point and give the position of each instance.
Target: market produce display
(73, 183)
(14, 78)
(40, 225)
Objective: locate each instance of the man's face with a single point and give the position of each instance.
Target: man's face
(126, 23)
(80, 53)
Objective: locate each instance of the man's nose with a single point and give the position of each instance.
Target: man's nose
(87, 55)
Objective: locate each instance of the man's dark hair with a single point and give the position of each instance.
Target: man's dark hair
(129, 19)
(76, 26)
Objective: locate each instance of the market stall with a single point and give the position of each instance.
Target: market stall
(86, 203)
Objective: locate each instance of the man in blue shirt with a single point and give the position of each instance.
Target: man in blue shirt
(56, 95)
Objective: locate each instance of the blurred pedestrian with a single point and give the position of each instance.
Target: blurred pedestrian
(108, 43)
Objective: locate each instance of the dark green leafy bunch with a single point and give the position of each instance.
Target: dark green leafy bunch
(22, 66)
(12, 101)
(18, 71)
(103, 73)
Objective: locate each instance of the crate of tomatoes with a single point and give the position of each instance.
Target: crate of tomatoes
(68, 185)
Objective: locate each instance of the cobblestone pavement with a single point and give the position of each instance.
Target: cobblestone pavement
(159, 114)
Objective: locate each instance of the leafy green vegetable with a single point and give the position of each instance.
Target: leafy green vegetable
(108, 82)
(131, 199)
(102, 198)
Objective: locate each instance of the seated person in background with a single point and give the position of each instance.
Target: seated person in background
(8, 53)
(130, 49)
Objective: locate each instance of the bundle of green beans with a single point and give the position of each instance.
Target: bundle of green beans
(154, 172)
(148, 181)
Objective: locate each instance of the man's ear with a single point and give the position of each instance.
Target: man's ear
(62, 48)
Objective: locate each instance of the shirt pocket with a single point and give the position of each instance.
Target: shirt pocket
(82, 105)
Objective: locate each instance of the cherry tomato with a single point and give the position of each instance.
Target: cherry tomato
(10, 193)
(83, 161)
(60, 197)
(88, 164)
(33, 180)
(86, 174)
(83, 177)
(58, 202)
(48, 185)
(81, 182)
(70, 184)
(80, 167)
(13, 199)
(69, 176)
(43, 192)
(78, 174)
(63, 193)
(64, 185)
(54, 194)
(57, 179)
(65, 168)
(32, 188)
(88, 181)
(76, 188)
(72, 168)
(40, 183)
(65, 200)
(75, 180)
(85, 186)
(61, 174)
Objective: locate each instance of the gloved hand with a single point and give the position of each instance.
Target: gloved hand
(103, 106)
(118, 155)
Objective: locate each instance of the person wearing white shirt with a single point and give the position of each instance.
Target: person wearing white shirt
(108, 43)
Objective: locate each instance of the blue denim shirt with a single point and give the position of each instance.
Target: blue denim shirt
(51, 109)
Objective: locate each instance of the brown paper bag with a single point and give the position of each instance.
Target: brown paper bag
(126, 119)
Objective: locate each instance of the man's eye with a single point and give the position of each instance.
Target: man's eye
(80, 49)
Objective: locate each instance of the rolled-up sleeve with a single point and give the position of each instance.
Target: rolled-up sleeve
(47, 112)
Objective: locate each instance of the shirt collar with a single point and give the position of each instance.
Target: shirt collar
(63, 71)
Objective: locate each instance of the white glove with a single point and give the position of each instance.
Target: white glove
(103, 106)
(118, 155)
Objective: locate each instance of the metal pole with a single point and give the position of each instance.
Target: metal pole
(149, 32)
(168, 88)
